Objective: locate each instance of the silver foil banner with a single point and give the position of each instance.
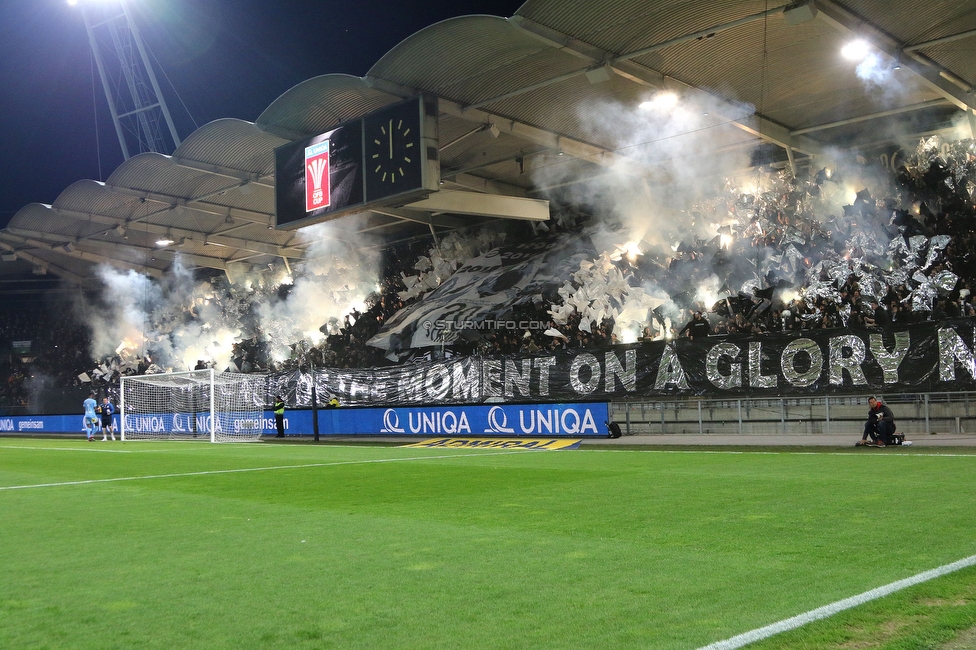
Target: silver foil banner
(756, 378)
(918, 357)
(890, 360)
(719, 380)
(669, 370)
(808, 347)
(841, 362)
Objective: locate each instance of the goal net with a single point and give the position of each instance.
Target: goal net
(196, 405)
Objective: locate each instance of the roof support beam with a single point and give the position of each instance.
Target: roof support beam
(872, 116)
(485, 205)
(57, 243)
(594, 55)
(197, 260)
(192, 235)
(942, 81)
(80, 254)
(173, 201)
(60, 271)
(757, 125)
(534, 134)
(479, 184)
(98, 251)
(227, 172)
(939, 41)
(420, 216)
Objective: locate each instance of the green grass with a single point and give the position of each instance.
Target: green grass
(451, 548)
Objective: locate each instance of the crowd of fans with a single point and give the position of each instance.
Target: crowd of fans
(39, 344)
(926, 260)
(906, 257)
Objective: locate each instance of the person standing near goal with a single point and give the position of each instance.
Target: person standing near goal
(279, 412)
(107, 410)
(91, 420)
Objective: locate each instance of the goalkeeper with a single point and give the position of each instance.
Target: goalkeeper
(106, 410)
(880, 424)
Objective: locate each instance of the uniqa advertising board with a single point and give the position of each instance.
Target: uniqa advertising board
(577, 420)
(550, 420)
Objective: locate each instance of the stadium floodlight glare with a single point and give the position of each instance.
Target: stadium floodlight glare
(662, 101)
(163, 242)
(855, 50)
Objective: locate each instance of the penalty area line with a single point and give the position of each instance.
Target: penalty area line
(241, 470)
(826, 611)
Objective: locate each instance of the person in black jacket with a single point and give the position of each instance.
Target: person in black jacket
(697, 327)
(880, 425)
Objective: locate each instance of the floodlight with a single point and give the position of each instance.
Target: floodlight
(855, 50)
(163, 242)
(662, 101)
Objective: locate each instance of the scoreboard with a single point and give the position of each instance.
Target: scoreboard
(388, 157)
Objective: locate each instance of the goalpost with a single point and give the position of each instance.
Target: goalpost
(194, 405)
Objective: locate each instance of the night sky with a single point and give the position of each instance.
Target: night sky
(224, 59)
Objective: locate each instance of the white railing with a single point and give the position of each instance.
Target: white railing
(914, 413)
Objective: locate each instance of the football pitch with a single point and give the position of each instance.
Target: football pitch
(192, 545)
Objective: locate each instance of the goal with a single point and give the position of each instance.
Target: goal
(195, 405)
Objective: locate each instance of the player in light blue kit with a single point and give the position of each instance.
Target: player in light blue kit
(91, 420)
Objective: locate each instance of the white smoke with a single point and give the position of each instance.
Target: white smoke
(180, 320)
(336, 277)
(671, 152)
(120, 322)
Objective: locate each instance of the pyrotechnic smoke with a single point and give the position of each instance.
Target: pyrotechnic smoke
(671, 153)
(336, 277)
(121, 321)
(765, 232)
(181, 320)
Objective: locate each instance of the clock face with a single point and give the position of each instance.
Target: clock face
(393, 157)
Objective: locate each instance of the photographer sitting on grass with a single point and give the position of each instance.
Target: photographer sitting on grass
(880, 425)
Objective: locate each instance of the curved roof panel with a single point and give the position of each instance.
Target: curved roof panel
(231, 143)
(526, 89)
(477, 58)
(320, 103)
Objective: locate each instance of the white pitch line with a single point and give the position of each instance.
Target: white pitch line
(87, 449)
(775, 453)
(826, 611)
(255, 469)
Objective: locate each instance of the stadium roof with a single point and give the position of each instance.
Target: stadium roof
(510, 93)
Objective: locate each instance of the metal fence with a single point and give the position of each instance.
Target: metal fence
(914, 413)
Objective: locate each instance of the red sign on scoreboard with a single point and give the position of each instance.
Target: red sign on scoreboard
(317, 190)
